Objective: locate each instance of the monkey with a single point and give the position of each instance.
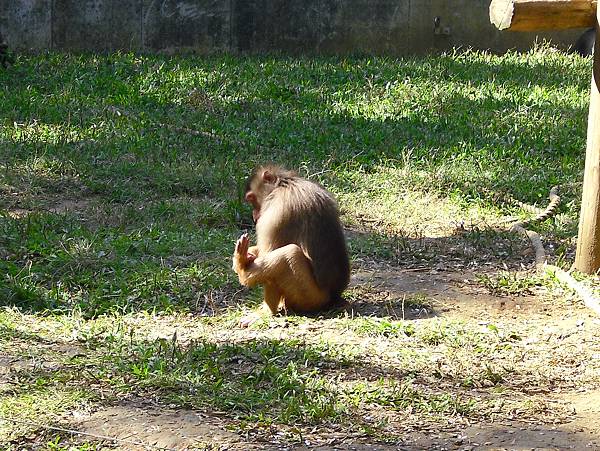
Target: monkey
(584, 45)
(300, 257)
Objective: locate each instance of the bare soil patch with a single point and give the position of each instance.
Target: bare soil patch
(137, 424)
(568, 416)
(58, 206)
(447, 293)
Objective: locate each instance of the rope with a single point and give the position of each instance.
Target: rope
(541, 214)
(541, 264)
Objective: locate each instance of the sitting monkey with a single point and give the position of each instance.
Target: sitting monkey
(300, 258)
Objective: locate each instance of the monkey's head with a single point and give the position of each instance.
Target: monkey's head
(261, 183)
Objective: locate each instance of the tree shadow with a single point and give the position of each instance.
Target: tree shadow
(166, 202)
(285, 382)
(122, 253)
(292, 104)
(56, 262)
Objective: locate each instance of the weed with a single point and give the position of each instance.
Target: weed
(121, 180)
(510, 283)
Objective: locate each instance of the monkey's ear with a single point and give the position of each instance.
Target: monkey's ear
(269, 177)
(250, 197)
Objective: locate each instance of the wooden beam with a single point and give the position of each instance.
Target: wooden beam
(540, 15)
(587, 258)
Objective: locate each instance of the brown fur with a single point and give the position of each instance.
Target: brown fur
(301, 253)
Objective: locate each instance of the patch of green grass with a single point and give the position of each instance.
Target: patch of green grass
(264, 381)
(459, 335)
(121, 180)
(57, 265)
(40, 403)
(510, 283)
(381, 326)
(403, 396)
(391, 247)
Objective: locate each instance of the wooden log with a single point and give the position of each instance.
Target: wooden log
(540, 15)
(587, 258)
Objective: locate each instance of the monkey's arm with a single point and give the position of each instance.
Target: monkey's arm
(250, 269)
(243, 258)
(287, 265)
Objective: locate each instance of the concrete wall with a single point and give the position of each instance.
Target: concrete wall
(392, 27)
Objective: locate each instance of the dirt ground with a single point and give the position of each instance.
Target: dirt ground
(143, 424)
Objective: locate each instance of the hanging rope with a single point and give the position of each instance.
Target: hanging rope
(541, 264)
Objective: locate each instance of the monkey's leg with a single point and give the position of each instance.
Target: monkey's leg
(272, 297)
(272, 301)
(290, 272)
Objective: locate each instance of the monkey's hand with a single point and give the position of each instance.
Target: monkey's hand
(241, 257)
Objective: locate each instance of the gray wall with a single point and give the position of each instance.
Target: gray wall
(392, 27)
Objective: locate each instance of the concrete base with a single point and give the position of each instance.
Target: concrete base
(384, 27)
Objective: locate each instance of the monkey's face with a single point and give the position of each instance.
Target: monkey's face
(258, 187)
(252, 199)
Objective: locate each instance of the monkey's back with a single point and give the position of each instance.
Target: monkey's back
(303, 213)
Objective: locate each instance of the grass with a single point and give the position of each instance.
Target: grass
(510, 283)
(121, 182)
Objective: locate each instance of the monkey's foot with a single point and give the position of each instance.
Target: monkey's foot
(248, 320)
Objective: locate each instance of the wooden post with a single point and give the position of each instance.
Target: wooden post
(587, 258)
(538, 15)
